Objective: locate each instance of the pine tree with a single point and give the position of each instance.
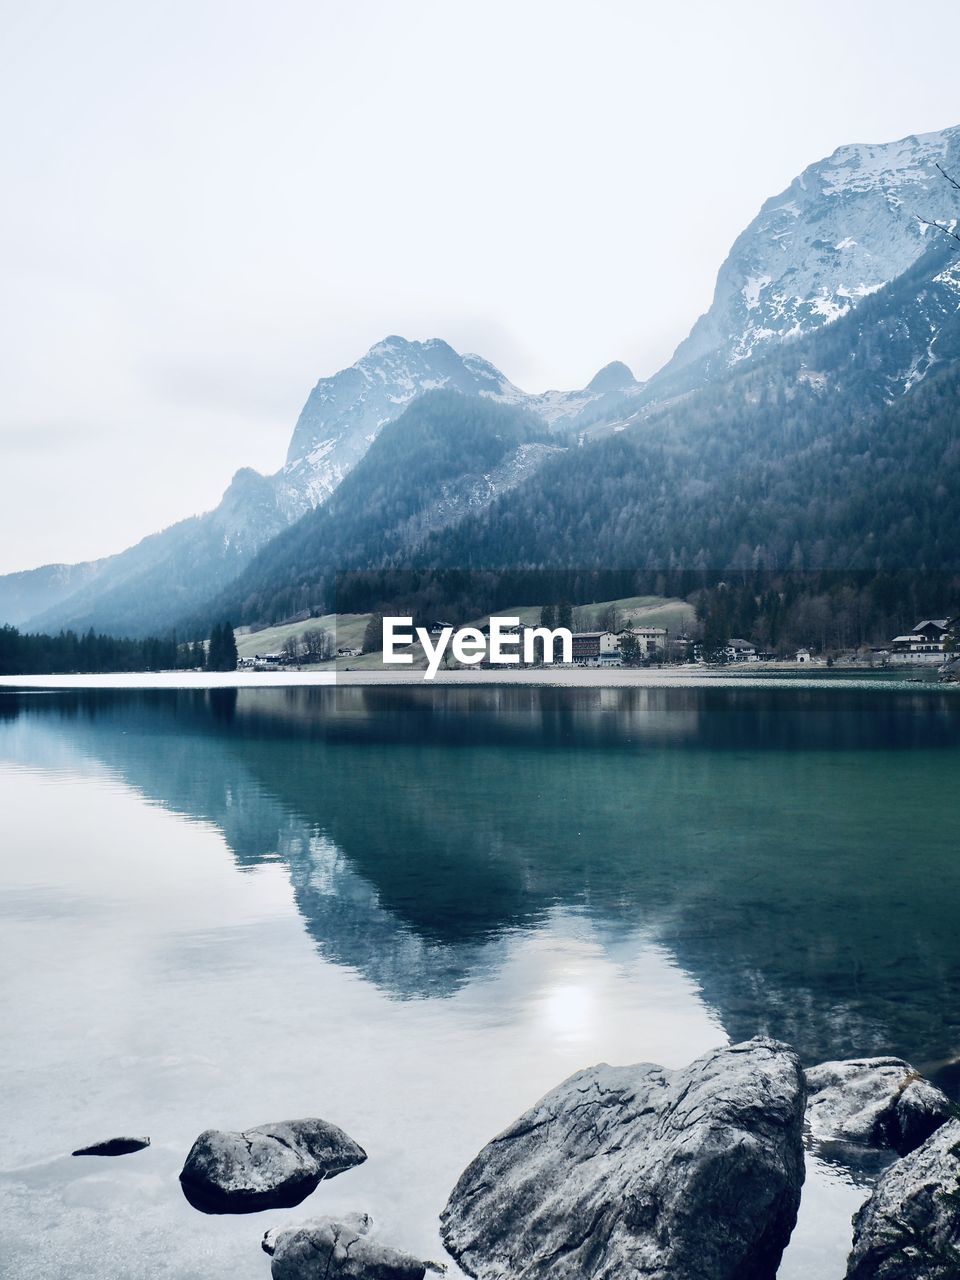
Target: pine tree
(229, 648)
(215, 648)
(631, 651)
(222, 650)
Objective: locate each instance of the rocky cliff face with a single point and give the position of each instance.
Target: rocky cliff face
(344, 413)
(843, 229)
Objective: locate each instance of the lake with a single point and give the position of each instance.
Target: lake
(412, 911)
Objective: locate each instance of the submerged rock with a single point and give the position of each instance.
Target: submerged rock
(642, 1172)
(874, 1102)
(271, 1166)
(113, 1147)
(909, 1229)
(337, 1249)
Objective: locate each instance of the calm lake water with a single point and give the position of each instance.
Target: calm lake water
(413, 911)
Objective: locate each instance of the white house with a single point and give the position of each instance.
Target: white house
(929, 636)
(740, 651)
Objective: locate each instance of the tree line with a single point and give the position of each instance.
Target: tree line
(76, 653)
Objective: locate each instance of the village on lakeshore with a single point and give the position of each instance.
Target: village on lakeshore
(616, 640)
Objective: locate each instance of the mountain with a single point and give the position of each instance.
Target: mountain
(835, 302)
(165, 576)
(447, 456)
(145, 588)
(838, 450)
(344, 413)
(843, 229)
(32, 591)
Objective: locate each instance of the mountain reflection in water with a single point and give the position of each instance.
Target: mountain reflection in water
(793, 849)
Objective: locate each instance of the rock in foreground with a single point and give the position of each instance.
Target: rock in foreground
(113, 1147)
(642, 1172)
(909, 1229)
(874, 1102)
(273, 1166)
(328, 1249)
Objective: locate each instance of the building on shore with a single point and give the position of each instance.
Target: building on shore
(596, 648)
(652, 640)
(929, 636)
(740, 651)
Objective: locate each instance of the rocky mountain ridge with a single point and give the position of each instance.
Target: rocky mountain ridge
(844, 228)
(844, 237)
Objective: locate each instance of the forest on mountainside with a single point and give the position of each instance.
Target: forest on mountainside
(438, 447)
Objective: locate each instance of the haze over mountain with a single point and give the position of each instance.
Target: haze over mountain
(161, 579)
(833, 303)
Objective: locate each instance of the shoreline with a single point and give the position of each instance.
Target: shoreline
(785, 676)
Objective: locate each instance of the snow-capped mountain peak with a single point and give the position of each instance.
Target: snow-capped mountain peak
(843, 229)
(346, 411)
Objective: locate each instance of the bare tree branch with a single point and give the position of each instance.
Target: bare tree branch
(949, 231)
(937, 226)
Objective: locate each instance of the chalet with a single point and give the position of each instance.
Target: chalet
(929, 636)
(596, 648)
(740, 651)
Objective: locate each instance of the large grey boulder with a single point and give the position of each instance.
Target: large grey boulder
(909, 1229)
(873, 1102)
(271, 1166)
(332, 1249)
(630, 1172)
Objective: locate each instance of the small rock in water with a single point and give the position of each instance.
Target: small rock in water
(273, 1166)
(909, 1229)
(113, 1147)
(874, 1102)
(641, 1171)
(338, 1249)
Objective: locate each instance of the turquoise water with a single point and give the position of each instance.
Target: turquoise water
(412, 911)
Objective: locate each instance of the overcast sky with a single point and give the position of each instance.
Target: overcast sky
(208, 205)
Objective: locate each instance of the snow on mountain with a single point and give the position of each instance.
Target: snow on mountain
(344, 413)
(168, 572)
(843, 229)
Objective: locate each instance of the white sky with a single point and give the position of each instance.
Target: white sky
(208, 205)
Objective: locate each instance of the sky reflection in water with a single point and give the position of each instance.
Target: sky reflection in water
(413, 912)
